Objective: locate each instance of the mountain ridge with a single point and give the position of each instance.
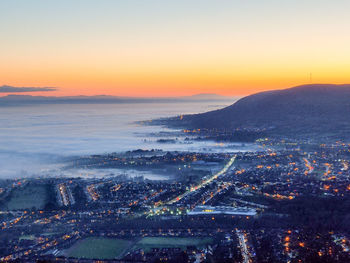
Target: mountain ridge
(301, 110)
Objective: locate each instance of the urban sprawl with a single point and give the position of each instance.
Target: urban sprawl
(287, 202)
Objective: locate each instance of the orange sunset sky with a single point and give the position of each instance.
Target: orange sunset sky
(171, 48)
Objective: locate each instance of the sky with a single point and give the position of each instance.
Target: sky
(172, 48)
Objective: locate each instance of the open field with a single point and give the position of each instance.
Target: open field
(147, 243)
(27, 197)
(98, 248)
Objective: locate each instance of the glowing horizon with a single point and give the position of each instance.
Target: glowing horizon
(158, 49)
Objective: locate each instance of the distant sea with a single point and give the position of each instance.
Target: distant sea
(34, 137)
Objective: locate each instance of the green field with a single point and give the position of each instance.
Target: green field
(147, 243)
(27, 197)
(98, 248)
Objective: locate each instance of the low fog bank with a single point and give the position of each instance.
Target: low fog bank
(15, 165)
(35, 139)
(20, 165)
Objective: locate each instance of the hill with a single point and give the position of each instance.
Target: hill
(308, 110)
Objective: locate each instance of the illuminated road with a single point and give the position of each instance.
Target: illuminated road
(243, 245)
(205, 182)
(309, 167)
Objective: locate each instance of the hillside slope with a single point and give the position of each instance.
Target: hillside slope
(307, 109)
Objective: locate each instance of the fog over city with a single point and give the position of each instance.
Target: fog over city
(34, 138)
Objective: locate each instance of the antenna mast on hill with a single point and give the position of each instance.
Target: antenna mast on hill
(310, 78)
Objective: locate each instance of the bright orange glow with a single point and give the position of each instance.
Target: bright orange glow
(173, 48)
(162, 81)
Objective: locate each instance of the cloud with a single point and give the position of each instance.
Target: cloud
(11, 89)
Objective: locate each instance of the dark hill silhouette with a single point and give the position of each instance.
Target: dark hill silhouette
(318, 109)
